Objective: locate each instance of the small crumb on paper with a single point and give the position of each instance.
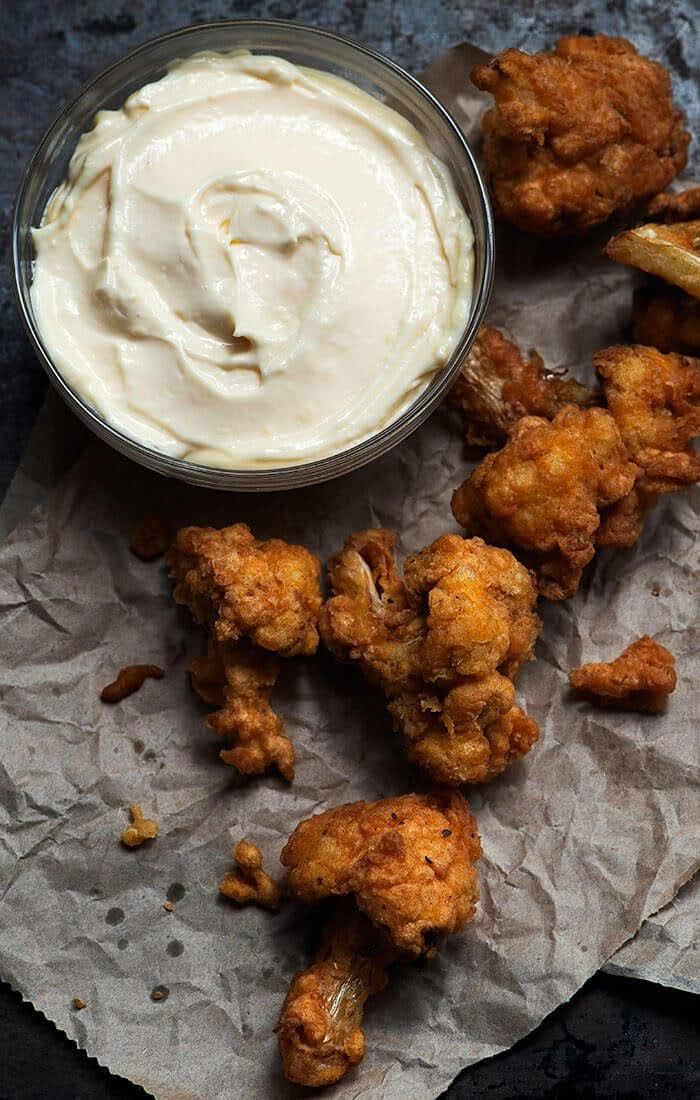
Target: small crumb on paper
(141, 828)
(249, 884)
(150, 538)
(79, 1003)
(129, 680)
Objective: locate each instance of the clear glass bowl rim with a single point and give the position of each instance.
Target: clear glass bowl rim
(268, 478)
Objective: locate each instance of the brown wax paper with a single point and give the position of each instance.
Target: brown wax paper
(594, 831)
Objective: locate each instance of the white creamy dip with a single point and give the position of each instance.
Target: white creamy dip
(251, 263)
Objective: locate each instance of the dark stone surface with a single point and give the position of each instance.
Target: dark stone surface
(617, 1038)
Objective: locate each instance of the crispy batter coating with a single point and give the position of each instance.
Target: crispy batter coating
(408, 862)
(141, 828)
(497, 385)
(544, 491)
(666, 318)
(150, 538)
(578, 134)
(320, 1028)
(239, 680)
(249, 883)
(681, 206)
(639, 679)
(443, 645)
(670, 251)
(129, 680)
(655, 400)
(242, 587)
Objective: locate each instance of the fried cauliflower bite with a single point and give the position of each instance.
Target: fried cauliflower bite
(256, 598)
(408, 862)
(666, 318)
(320, 1027)
(544, 492)
(578, 134)
(640, 679)
(497, 385)
(443, 644)
(239, 679)
(655, 401)
(243, 587)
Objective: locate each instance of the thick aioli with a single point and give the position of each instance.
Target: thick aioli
(251, 263)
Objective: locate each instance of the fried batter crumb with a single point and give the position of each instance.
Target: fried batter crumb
(141, 828)
(639, 679)
(496, 385)
(249, 884)
(129, 680)
(168, 906)
(79, 1003)
(578, 133)
(150, 538)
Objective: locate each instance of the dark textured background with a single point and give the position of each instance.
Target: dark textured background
(616, 1038)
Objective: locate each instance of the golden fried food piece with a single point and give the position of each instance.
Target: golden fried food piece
(129, 680)
(242, 587)
(239, 680)
(407, 865)
(141, 828)
(666, 318)
(320, 1028)
(497, 385)
(578, 134)
(249, 883)
(670, 251)
(544, 491)
(639, 679)
(150, 538)
(443, 645)
(681, 206)
(655, 400)
(408, 862)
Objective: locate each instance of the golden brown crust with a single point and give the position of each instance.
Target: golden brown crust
(443, 645)
(545, 490)
(242, 587)
(140, 830)
(129, 680)
(670, 251)
(640, 679)
(666, 318)
(320, 1028)
(239, 680)
(578, 134)
(249, 884)
(681, 206)
(655, 400)
(496, 386)
(408, 862)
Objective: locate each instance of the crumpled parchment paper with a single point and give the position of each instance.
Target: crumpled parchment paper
(594, 831)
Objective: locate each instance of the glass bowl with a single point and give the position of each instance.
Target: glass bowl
(301, 45)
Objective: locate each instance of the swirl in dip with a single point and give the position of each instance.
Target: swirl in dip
(251, 264)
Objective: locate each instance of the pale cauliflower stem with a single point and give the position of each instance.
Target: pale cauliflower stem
(443, 643)
(407, 863)
(257, 599)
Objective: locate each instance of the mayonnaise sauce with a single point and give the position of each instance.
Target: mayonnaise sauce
(251, 263)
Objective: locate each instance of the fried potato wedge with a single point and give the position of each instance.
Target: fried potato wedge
(670, 251)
